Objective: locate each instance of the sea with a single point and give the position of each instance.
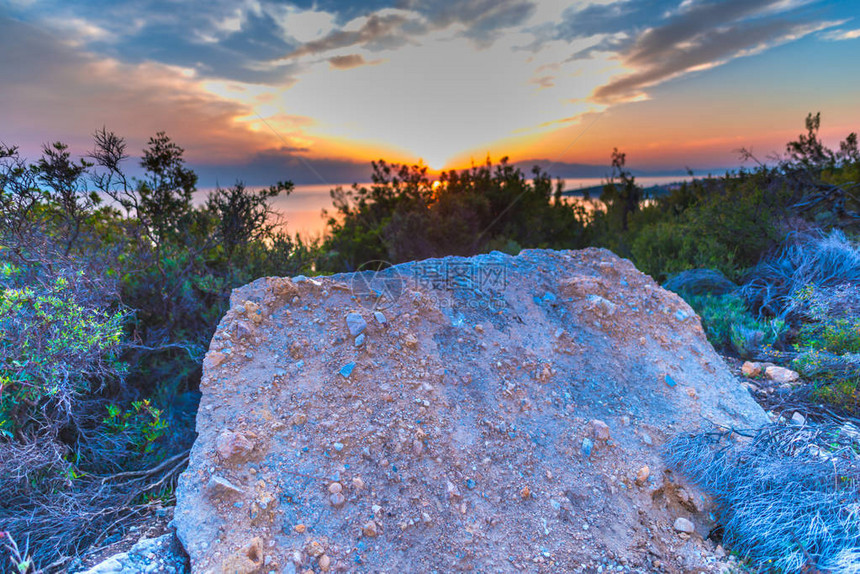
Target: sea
(302, 210)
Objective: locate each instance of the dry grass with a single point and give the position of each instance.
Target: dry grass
(64, 517)
(788, 498)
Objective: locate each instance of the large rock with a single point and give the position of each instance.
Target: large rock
(495, 416)
(700, 282)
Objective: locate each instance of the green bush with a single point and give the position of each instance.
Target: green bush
(837, 336)
(835, 379)
(729, 225)
(730, 326)
(54, 349)
(141, 424)
(111, 307)
(404, 216)
(666, 248)
(829, 355)
(843, 394)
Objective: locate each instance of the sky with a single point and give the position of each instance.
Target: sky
(312, 91)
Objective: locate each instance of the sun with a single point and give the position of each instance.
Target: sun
(435, 161)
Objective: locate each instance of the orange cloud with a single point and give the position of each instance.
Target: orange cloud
(347, 62)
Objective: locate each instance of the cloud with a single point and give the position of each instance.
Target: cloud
(55, 90)
(228, 40)
(347, 62)
(544, 81)
(61, 92)
(347, 10)
(607, 44)
(482, 19)
(611, 18)
(839, 35)
(374, 30)
(244, 54)
(701, 36)
(693, 24)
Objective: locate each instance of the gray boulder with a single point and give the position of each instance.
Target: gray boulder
(700, 282)
(456, 441)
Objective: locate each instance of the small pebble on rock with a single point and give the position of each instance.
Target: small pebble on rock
(337, 500)
(347, 369)
(370, 529)
(453, 491)
(218, 485)
(587, 446)
(684, 525)
(599, 430)
(315, 549)
(355, 323)
(751, 370)
(231, 444)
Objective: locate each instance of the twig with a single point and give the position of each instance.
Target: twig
(182, 457)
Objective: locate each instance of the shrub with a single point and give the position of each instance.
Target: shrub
(727, 227)
(54, 349)
(842, 394)
(22, 562)
(666, 248)
(108, 309)
(835, 377)
(836, 336)
(813, 282)
(142, 424)
(404, 216)
(812, 276)
(731, 327)
(788, 498)
(700, 282)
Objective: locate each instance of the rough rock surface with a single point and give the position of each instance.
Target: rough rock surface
(777, 374)
(160, 555)
(498, 414)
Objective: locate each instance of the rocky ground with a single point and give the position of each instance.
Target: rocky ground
(493, 414)
(151, 554)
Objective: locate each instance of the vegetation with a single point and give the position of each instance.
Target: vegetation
(404, 216)
(788, 497)
(111, 287)
(731, 327)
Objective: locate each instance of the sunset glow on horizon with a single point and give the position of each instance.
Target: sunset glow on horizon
(312, 91)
